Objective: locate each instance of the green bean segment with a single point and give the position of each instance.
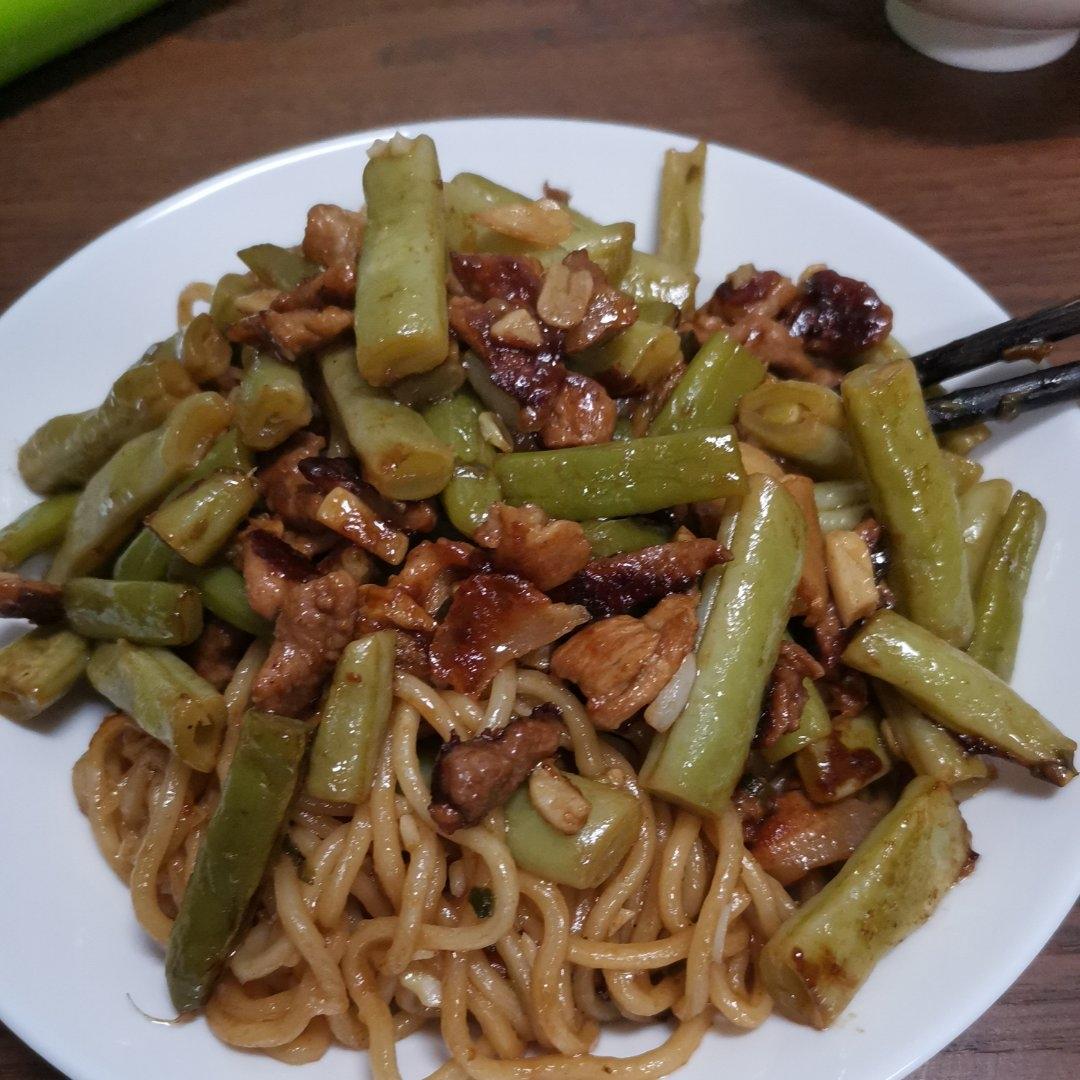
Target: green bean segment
(814, 725)
(964, 472)
(234, 855)
(229, 289)
(634, 361)
(981, 509)
(271, 404)
(400, 454)
(850, 758)
(38, 669)
(472, 488)
(912, 496)
(582, 860)
(960, 694)
(143, 612)
(277, 267)
(224, 595)
(650, 279)
(927, 747)
(616, 535)
(353, 721)
(35, 530)
(198, 523)
(401, 319)
(164, 697)
(681, 184)
(999, 606)
(133, 480)
(620, 479)
(813, 965)
(707, 396)
(802, 422)
(699, 760)
(68, 450)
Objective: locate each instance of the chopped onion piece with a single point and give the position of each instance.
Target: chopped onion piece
(670, 702)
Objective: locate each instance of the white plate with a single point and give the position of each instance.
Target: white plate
(70, 949)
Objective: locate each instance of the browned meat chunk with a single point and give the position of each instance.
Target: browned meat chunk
(334, 287)
(217, 651)
(527, 542)
(38, 601)
(291, 334)
(620, 583)
(433, 568)
(609, 310)
(799, 836)
(493, 619)
(333, 234)
(270, 568)
(838, 317)
(566, 409)
(390, 607)
(845, 694)
(787, 695)
(316, 622)
(473, 777)
(287, 491)
(622, 663)
(749, 291)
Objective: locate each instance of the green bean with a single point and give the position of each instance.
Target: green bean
(148, 558)
(229, 289)
(802, 422)
(224, 595)
(960, 694)
(201, 521)
(999, 605)
(438, 384)
(888, 350)
(681, 184)
(582, 860)
(37, 670)
(814, 724)
(837, 494)
(633, 361)
(965, 473)
(491, 397)
(620, 479)
(658, 312)
(205, 353)
(400, 454)
(813, 965)
(981, 509)
(699, 760)
(845, 761)
(912, 496)
(721, 372)
(353, 721)
(609, 246)
(133, 480)
(472, 488)
(164, 697)
(143, 612)
(233, 857)
(272, 403)
(613, 536)
(35, 530)
(145, 558)
(67, 450)
(650, 279)
(401, 323)
(277, 267)
(927, 747)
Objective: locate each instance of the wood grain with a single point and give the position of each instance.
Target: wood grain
(986, 168)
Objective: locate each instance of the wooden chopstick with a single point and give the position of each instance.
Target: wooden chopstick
(1004, 400)
(987, 346)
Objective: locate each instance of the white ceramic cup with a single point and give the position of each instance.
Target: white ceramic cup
(988, 35)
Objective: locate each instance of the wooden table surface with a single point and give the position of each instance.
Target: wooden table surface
(985, 167)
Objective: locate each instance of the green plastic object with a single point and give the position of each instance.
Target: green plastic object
(33, 31)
